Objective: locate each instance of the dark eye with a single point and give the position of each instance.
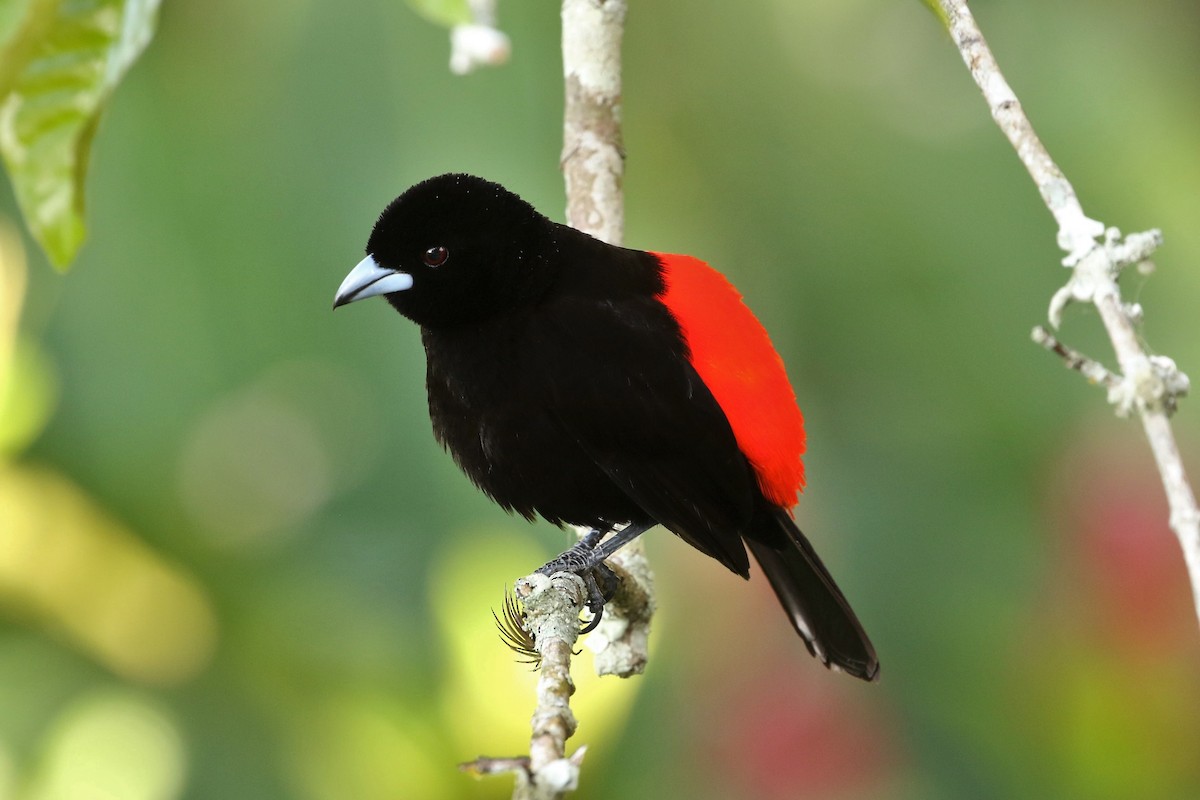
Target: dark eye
(435, 256)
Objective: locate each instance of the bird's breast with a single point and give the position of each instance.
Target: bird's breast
(492, 408)
(498, 395)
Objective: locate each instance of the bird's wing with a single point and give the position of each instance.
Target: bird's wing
(636, 406)
(731, 350)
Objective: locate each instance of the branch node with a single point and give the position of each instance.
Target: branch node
(1150, 384)
(560, 775)
(1077, 233)
(478, 43)
(1169, 385)
(1096, 271)
(1155, 384)
(1134, 249)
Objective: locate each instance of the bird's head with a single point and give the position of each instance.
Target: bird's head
(451, 250)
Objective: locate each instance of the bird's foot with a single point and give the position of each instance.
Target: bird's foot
(587, 561)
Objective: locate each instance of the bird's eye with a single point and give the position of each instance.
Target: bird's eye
(435, 256)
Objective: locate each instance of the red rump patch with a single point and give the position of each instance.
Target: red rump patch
(732, 353)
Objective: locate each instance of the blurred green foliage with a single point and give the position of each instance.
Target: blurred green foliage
(234, 564)
(444, 12)
(60, 61)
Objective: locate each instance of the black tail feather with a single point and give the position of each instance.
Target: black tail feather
(818, 610)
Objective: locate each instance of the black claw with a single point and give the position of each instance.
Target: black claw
(596, 598)
(594, 622)
(610, 581)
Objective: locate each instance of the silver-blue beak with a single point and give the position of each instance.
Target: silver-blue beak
(368, 279)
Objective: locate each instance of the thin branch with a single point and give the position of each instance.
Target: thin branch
(593, 164)
(593, 158)
(621, 643)
(1148, 385)
(1076, 233)
(552, 607)
(1091, 369)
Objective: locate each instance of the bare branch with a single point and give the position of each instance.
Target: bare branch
(1091, 369)
(1076, 233)
(550, 609)
(593, 158)
(552, 605)
(1148, 385)
(593, 164)
(621, 642)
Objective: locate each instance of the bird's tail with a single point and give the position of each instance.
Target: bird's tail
(818, 610)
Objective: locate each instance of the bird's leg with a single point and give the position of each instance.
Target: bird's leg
(621, 538)
(586, 558)
(577, 558)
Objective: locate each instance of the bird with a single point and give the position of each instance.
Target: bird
(608, 388)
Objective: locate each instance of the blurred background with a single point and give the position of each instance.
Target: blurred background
(234, 563)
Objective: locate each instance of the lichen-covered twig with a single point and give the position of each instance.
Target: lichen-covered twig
(1076, 232)
(593, 164)
(547, 610)
(1090, 368)
(552, 605)
(593, 158)
(1148, 385)
(621, 643)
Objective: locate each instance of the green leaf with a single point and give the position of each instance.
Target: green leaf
(938, 11)
(443, 12)
(23, 25)
(65, 67)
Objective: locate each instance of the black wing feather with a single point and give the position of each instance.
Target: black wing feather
(645, 418)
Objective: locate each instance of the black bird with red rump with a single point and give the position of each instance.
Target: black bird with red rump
(605, 387)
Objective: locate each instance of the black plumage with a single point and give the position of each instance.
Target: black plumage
(563, 386)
